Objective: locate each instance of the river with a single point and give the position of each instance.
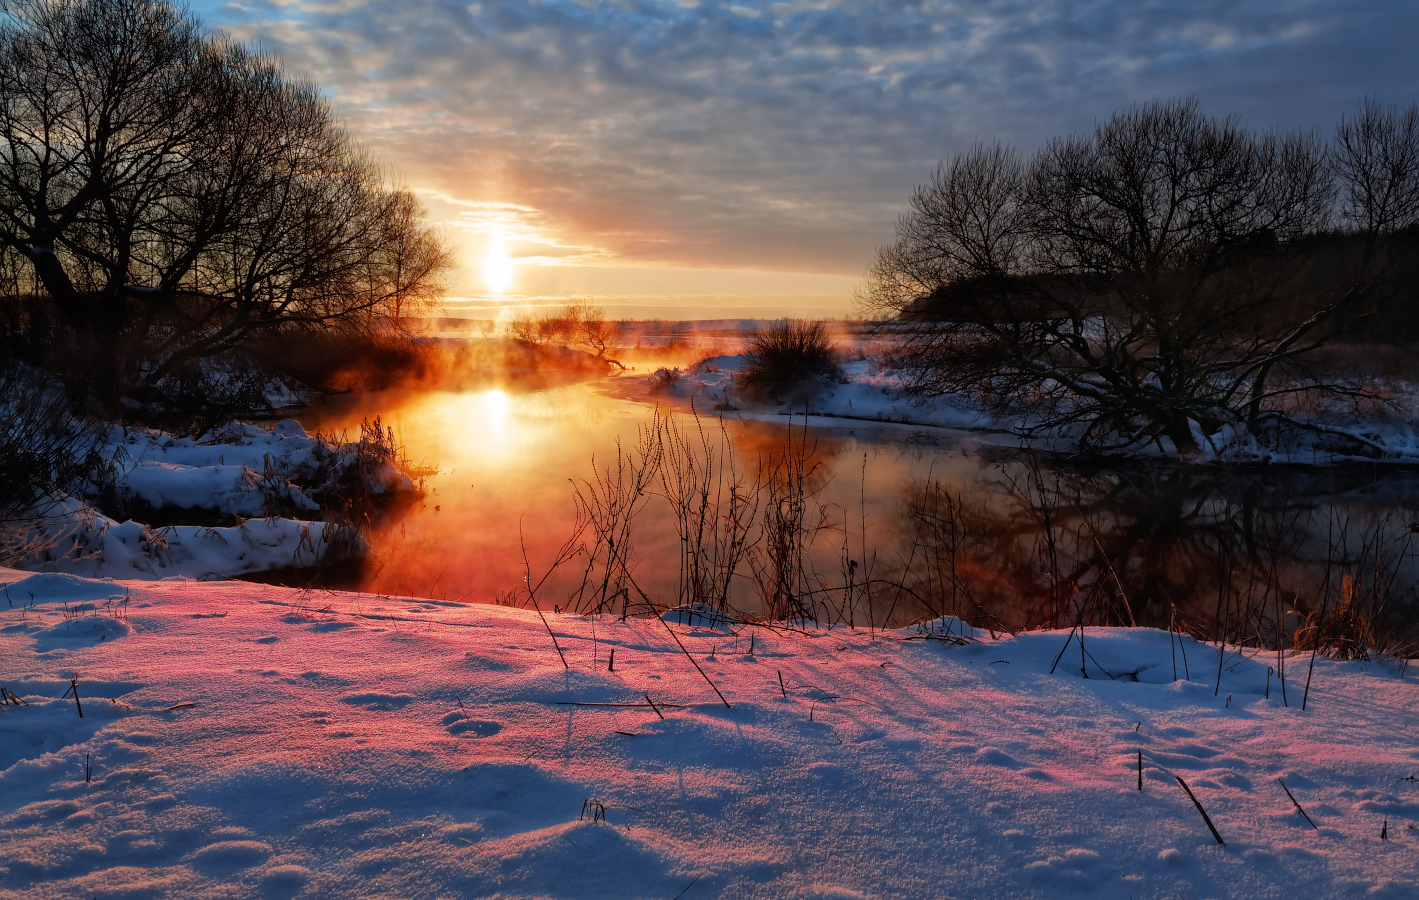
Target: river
(893, 523)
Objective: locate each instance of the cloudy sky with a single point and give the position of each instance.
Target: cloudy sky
(705, 159)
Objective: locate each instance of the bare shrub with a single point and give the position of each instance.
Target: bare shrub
(790, 521)
(787, 360)
(1363, 564)
(715, 507)
(43, 452)
(201, 394)
(664, 379)
(608, 505)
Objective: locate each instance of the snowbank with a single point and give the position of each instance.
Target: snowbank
(247, 741)
(870, 390)
(82, 541)
(237, 469)
(265, 483)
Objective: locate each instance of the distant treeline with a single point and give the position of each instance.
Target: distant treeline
(1166, 278)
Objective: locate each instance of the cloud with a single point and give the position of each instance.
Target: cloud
(527, 233)
(786, 135)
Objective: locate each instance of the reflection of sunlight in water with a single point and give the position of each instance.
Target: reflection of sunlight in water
(507, 463)
(496, 401)
(503, 461)
(487, 422)
(483, 429)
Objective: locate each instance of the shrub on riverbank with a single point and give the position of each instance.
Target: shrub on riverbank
(578, 325)
(43, 451)
(788, 360)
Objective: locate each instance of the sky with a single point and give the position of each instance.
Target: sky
(706, 160)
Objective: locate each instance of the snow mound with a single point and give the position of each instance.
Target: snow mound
(55, 587)
(87, 543)
(699, 615)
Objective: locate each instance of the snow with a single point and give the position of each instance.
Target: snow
(255, 741)
(239, 472)
(230, 490)
(236, 469)
(870, 389)
(82, 541)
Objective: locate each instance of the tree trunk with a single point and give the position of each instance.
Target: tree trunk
(57, 284)
(1179, 431)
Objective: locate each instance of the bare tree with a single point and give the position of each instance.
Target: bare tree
(579, 324)
(1147, 281)
(173, 191)
(1376, 157)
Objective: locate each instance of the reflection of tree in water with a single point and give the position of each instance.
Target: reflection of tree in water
(1219, 552)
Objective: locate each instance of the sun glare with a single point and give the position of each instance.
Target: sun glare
(496, 402)
(497, 267)
(490, 423)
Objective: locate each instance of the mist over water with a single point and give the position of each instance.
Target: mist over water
(920, 521)
(506, 466)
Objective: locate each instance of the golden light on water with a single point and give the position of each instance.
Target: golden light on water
(495, 403)
(497, 267)
(487, 417)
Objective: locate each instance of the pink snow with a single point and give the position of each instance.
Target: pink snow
(253, 741)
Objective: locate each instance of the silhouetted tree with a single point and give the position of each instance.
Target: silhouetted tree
(1149, 280)
(172, 191)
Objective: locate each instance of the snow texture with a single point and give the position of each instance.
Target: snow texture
(236, 469)
(253, 741)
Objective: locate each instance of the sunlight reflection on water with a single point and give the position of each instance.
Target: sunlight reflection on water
(503, 462)
(506, 462)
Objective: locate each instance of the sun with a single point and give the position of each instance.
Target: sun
(497, 267)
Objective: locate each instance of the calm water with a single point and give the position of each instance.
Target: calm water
(899, 523)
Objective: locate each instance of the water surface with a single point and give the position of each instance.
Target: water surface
(900, 522)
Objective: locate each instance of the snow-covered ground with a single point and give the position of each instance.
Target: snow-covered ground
(247, 741)
(80, 540)
(871, 390)
(237, 469)
(231, 473)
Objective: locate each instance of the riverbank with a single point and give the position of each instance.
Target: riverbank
(238, 500)
(241, 740)
(870, 390)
